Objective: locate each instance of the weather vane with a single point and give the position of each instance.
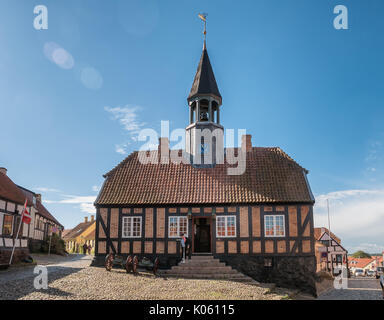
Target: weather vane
(203, 16)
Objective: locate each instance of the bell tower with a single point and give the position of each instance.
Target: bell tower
(204, 134)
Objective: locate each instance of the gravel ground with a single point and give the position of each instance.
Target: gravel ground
(80, 282)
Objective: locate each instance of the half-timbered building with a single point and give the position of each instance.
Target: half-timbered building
(330, 254)
(31, 236)
(259, 222)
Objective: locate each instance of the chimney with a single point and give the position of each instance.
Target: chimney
(38, 197)
(92, 218)
(246, 143)
(163, 150)
(3, 171)
(86, 219)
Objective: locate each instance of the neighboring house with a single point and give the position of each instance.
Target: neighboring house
(330, 254)
(43, 222)
(83, 233)
(260, 221)
(65, 232)
(12, 198)
(377, 261)
(11, 206)
(365, 263)
(359, 263)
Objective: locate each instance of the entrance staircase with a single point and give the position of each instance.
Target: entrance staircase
(206, 267)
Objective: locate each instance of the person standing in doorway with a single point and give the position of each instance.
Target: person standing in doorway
(188, 246)
(182, 242)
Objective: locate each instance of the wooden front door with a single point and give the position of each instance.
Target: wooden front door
(202, 235)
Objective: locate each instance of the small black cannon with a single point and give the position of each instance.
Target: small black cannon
(131, 264)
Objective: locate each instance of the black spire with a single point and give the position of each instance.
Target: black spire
(205, 82)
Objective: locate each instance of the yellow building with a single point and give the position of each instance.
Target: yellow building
(83, 233)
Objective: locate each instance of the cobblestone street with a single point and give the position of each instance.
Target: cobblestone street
(72, 278)
(358, 289)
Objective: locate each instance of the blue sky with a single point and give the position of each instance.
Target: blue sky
(285, 74)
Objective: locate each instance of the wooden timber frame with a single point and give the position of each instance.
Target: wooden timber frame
(250, 238)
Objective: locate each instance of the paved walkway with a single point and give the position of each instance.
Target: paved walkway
(358, 289)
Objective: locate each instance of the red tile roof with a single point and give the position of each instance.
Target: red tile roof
(65, 232)
(361, 262)
(10, 191)
(79, 229)
(271, 176)
(318, 232)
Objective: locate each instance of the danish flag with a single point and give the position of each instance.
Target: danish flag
(26, 217)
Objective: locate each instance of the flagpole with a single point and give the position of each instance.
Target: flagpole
(18, 231)
(50, 240)
(329, 235)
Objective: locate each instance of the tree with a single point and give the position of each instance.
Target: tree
(57, 245)
(361, 254)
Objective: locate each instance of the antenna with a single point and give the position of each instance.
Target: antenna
(329, 236)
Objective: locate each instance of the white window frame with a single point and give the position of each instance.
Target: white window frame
(131, 231)
(178, 226)
(274, 226)
(225, 226)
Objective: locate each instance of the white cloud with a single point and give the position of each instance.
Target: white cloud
(367, 247)
(120, 149)
(85, 202)
(357, 216)
(96, 188)
(337, 196)
(44, 189)
(127, 117)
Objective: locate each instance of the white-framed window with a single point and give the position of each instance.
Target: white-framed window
(274, 226)
(131, 227)
(225, 226)
(177, 226)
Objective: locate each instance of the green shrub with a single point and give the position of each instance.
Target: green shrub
(57, 245)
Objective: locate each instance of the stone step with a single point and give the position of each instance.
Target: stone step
(232, 277)
(199, 271)
(203, 257)
(204, 268)
(202, 263)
